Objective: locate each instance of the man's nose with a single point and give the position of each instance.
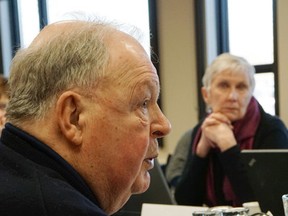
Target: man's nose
(161, 127)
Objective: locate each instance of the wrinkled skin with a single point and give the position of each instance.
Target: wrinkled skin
(110, 138)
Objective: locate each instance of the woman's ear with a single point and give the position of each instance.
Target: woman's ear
(205, 95)
(68, 110)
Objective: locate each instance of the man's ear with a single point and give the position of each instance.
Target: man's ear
(68, 110)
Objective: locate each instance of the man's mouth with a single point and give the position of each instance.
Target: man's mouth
(150, 162)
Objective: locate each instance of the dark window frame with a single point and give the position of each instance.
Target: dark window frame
(42, 9)
(154, 46)
(14, 26)
(1, 57)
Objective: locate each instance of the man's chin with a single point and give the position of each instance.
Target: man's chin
(141, 184)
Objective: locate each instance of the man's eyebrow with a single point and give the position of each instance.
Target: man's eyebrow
(154, 84)
(149, 84)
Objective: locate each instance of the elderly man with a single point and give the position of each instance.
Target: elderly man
(83, 122)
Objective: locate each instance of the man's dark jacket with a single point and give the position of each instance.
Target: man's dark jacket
(35, 180)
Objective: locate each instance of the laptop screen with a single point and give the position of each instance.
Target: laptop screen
(267, 172)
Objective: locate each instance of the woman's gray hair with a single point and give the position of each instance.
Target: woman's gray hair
(40, 73)
(231, 63)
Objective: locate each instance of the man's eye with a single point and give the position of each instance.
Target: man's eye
(145, 104)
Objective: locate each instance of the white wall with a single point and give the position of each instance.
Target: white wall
(178, 66)
(282, 17)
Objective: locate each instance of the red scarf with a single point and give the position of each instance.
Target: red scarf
(244, 131)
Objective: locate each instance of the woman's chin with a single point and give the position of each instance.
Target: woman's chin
(233, 117)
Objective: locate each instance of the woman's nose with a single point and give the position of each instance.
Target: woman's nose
(233, 94)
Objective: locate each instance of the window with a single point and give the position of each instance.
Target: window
(7, 36)
(121, 11)
(29, 23)
(245, 28)
(251, 35)
(21, 20)
(251, 30)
